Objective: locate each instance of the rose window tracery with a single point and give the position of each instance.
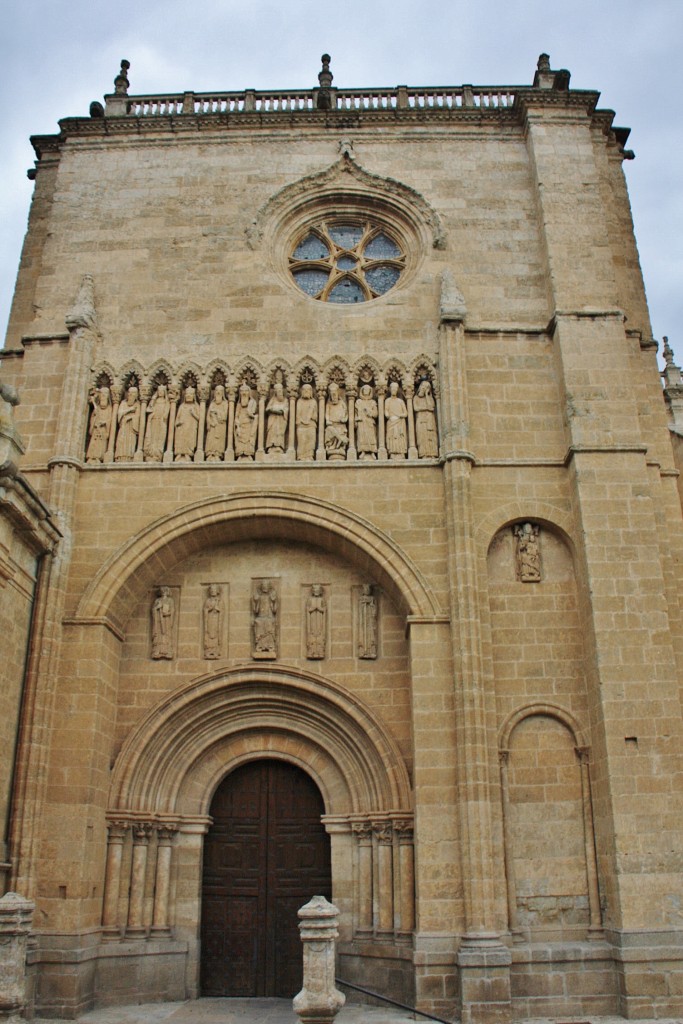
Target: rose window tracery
(346, 261)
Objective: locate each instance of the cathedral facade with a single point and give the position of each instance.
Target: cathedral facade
(341, 555)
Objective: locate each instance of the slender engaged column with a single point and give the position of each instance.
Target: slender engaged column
(381, 431)
(162, 881)
(261, 436)
(112, 879)
(173, 396)
(385, 883)
(504, 758)
(351, 451)
(116, 396)
(203, 399)
(230, 446)
(409, 391)
(595, 916)
(292, 391)
(363, 833)
(138, 870)
(405, 912)
(145, 395)
(320, 450)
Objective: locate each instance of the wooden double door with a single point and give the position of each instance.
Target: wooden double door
(265, 855)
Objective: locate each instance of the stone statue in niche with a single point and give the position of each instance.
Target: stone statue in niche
(366, 424)
(396, 414)
(212, 621)
(528, 554)
(306, 423)
(157, 425)
(216, 426)
(99, 425)
(277, 414)
(128, 426)
(163, 624)
(316, 623)
(426, 437)
(367, 623)
(246, 424)
(264, 613)
(336, 420)
(186, 426)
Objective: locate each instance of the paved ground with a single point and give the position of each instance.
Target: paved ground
(279, 1011)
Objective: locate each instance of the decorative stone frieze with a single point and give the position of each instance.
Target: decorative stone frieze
(248, 413)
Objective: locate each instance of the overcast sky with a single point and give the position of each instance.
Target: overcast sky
(59, 55)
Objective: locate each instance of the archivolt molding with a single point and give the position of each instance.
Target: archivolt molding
(173, 761)
(347, 180)
(135, 567)
(541, 708)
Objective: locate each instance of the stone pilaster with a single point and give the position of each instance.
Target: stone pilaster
(483, 961)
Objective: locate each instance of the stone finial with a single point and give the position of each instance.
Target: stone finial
(325, 76)
(319, 1001)
(82, 313)
(667, 352)
(671, 372)
(121, 82)
(546, 78)
(324, 99)
(452, 304)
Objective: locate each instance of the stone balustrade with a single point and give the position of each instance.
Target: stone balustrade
(250, 101)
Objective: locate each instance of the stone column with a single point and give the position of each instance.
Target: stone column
(162, 883)
(145, 395)
(64, 468)
(363, 833)
(319, 1001)
(112, 879)
(409, 391)
(595, 918)
(261, 435)
(504, 758)
(292, 392)
(138, 871)
(16, 915)
(350, 384)
(404, 910)
(381, 425)
(320, 450)
(173, 396)
(384, 880)
(483, 960)
(203, 393)
(116, 396)
(230, 444)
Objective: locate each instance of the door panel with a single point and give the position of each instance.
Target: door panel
(265, 855)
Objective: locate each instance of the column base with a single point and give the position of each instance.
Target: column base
(484, 969)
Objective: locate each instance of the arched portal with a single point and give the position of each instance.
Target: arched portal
(265, 854)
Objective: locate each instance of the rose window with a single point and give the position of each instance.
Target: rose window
(346, 262)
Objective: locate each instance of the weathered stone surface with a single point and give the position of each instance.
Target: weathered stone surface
(425, 545)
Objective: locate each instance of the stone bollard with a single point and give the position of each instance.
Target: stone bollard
(319, 1001)
(16, 915)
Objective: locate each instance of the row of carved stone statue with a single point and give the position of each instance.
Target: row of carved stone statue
(244, 425)
(265, 622)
